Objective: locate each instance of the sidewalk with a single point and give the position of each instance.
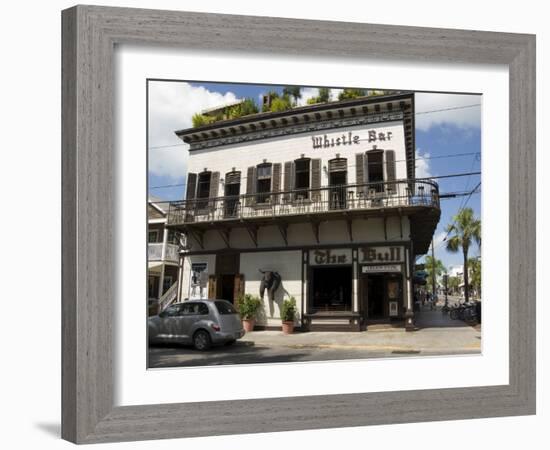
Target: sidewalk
(436, 333)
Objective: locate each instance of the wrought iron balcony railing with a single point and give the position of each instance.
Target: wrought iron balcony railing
(350, 197)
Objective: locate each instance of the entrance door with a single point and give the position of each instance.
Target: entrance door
(378, 291)
(375, 296)
(228, 287)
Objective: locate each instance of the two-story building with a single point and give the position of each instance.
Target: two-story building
(325, 195)
(163, 259)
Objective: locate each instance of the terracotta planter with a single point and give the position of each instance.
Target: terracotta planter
(248, 325)
(288, 327)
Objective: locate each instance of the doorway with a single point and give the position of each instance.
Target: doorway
(376, 296)
(378, 291)
(227, 288)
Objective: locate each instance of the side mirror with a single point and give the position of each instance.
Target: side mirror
(162, 313)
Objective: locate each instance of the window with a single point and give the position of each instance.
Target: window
(225, 308)
(152, 236)
(172, 311)
(263, 182)
(375, 170)
(173, 237)
(191, 309)
(166, 283)
(203, 189)
(302, 177)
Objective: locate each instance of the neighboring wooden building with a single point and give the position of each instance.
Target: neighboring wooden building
(325, 195)
(163, 259)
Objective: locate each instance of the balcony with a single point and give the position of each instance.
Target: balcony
(418, 199)
(154, 252)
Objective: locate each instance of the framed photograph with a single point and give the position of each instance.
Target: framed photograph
(313, 213)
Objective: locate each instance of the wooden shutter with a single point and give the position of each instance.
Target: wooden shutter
(214, 184)
(289, 180)
(360, 171)
(214, 189)
(212, 285)
(316, 179)
(250, 185)
(276, 181)
(191, 186)
(239, 286)
(390, 169)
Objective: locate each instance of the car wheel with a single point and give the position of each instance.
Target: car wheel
(201, 340)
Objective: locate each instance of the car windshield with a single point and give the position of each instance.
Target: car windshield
(225, 308)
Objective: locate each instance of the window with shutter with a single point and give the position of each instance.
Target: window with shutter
(302, 177)
(232, 191)
(375, 170)
(263, 182)
(203, 189)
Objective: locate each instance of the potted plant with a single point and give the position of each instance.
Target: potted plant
(248, 306)
(288, 314)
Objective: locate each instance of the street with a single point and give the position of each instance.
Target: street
(436, 334)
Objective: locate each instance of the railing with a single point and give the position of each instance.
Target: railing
(399, 193)
(154, 252)
(168, 297)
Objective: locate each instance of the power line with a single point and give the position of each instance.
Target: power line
(462, 207)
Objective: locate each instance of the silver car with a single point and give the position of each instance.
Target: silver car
(202, 323)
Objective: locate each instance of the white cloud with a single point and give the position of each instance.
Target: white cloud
(422, 164)
(334, 93)
(429, 112)
(307, 93)
(171, 107)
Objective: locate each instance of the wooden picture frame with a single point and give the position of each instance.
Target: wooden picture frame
(89, 36)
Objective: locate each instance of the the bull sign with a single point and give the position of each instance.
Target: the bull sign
(271, 281)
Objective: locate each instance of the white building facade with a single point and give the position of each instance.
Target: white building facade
(324, 196)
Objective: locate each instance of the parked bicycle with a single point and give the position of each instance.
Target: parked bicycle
(464, 311)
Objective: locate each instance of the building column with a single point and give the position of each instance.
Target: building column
(164, 242)
(180, 277)
(161, 281)
(163, 258)
(355, 293)
(409, 314)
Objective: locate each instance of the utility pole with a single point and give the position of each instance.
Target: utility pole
(446, 282)
(433, 271)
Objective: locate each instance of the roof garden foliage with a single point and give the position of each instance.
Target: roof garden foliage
(274, 101)
(247, 107)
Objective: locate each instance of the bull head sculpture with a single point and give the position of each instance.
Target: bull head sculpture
(271, 281)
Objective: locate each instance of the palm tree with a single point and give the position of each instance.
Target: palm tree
(475, 274)
(434, 268)
(293, 91)
(465, 229)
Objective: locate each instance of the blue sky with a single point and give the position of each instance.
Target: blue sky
(446, 125)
